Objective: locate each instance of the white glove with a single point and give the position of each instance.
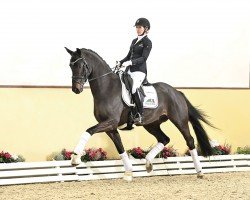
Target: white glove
(127, 63)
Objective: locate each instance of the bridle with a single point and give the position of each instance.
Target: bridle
(85, 78)
(78, 79)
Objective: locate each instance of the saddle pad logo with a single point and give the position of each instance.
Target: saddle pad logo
(150, 102)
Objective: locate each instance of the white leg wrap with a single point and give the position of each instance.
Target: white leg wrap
(156, 149)
(81, 144)
(126, 162)
(196, 160)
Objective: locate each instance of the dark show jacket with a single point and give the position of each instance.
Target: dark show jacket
(138, 54)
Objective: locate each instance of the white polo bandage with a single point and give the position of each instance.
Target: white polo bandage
(126, 162)
(197, 164)
(154, 151)
(81, 144)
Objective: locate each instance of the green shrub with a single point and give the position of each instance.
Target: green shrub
(243, 150)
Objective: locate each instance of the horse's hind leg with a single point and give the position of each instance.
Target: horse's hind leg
(183, 127)
(155, 130)
(115, 137)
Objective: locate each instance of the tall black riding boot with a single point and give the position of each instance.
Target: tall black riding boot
(138, 118)
(130, 122)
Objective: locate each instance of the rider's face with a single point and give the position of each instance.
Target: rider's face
(140, 30)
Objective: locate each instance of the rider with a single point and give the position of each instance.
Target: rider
(135, 63)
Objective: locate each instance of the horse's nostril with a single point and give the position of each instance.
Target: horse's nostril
(76, 90)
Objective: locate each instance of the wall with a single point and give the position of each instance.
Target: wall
(206, 40)
(37, 121)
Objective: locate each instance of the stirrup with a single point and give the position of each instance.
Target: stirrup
(138, 118)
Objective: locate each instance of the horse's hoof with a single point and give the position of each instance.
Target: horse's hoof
(75, 160)
(200, 175)
(149, 166)
(128, 176)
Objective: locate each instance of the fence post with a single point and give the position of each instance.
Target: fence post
(59, 173)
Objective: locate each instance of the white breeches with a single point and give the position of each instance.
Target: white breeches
(138, 78)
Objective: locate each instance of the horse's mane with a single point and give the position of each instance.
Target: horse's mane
(89, 50)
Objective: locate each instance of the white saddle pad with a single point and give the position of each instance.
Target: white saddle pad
(150, 100)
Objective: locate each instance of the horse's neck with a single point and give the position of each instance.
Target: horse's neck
(101, 81)
(101, 86)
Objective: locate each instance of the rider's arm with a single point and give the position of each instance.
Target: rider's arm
(127, 57)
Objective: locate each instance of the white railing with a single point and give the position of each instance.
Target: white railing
(59, 171)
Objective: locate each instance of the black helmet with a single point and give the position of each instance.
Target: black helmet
(142, 22)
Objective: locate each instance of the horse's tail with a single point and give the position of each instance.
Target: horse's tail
(195, 115)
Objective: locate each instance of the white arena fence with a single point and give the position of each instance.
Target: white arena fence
(60, 171)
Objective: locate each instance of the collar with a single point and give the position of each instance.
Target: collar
(140, 37)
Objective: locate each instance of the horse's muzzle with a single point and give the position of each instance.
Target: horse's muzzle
(77, 88)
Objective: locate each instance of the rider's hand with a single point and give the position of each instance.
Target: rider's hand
(127, 63)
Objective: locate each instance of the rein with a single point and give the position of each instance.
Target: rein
(87, 67)
(100, 76)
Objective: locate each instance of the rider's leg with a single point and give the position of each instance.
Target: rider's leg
(139, 106)
(130, 122)
(138, 78)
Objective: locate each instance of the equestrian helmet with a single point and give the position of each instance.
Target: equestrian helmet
(142, 22)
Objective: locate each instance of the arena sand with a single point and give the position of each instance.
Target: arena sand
(213, 186)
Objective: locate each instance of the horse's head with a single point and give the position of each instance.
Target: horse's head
(80, 70)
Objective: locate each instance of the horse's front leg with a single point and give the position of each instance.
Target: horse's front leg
(101, 127)
(115, 137)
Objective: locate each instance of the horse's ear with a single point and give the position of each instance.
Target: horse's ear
(69, 51)
(78, 51)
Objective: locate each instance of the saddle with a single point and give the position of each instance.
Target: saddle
(147, 91)
(128, 81)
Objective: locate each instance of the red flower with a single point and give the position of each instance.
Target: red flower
(168, 152)
(68, 155)
(137, 152)
(92, 155)
(7, 155)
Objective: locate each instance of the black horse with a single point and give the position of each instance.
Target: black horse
(111, 112)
